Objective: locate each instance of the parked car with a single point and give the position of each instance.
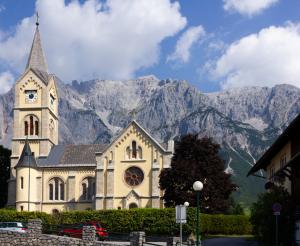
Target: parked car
(13, 226)
(76, 230)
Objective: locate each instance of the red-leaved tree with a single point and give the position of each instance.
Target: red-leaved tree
(197, 159)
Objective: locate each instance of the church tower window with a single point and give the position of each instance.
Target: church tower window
(26, 128)
(36, 124)
(31, 125)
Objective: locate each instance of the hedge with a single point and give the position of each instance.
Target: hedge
(152, 221)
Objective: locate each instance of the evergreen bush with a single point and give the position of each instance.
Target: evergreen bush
(152, 221)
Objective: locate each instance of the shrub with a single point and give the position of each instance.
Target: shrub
(13, 215)
(152, 221)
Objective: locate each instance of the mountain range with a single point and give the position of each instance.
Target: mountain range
(244, 121)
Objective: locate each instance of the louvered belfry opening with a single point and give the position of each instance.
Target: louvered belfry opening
(31, 125)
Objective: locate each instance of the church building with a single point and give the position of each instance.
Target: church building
(49, 177)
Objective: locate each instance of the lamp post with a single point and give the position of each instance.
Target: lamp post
(198, 186)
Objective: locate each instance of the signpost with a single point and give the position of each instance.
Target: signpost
(180, 218)
(276, 209)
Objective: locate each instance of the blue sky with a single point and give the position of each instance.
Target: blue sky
(213, 44)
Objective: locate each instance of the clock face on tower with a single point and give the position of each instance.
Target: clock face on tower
(31, 96)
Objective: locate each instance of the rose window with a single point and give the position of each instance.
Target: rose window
(134, 176)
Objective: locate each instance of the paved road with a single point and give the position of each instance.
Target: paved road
(229, 242)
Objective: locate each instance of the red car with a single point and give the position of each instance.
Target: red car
(76, 230)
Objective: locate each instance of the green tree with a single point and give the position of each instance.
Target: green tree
(263, 219)
(4, 170)
(235, 208)
(197, 159)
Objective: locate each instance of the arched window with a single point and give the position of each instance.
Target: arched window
(140, 153)
(128, 153)
(26, 128)
(31, 125)
(36, 126)
(88, 188)
(50, 191)
(84, 191)
(22, 182)
(56, 189)
(62, 191)
(134, 150)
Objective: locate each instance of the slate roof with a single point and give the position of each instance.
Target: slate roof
(44, 76)
(26, 159)
(72, 155)
(36, 59)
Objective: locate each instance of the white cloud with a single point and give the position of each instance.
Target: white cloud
(264, 59)
(184, 44)
(6, 82)
(248, 7)
(2, 8)
(95, 39)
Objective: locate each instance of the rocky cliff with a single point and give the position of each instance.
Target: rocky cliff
(244, 121)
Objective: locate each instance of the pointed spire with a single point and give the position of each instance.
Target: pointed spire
(27, 158)
(36, 59)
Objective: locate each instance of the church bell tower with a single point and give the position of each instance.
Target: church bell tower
(35, 119)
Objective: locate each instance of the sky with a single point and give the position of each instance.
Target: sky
(213, 44)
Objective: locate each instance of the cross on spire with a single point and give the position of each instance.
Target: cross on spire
(37, 19)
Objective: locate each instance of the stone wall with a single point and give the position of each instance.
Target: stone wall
(34, 237)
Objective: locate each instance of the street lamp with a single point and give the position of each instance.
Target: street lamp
(198, 186)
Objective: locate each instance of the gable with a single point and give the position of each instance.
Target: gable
(134, 130)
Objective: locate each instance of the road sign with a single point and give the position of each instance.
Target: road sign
(276, 207)
(181, 214)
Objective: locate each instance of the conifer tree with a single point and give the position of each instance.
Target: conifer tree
(4, 171)
(197, 159)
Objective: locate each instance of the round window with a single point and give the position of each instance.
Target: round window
(134, 176)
